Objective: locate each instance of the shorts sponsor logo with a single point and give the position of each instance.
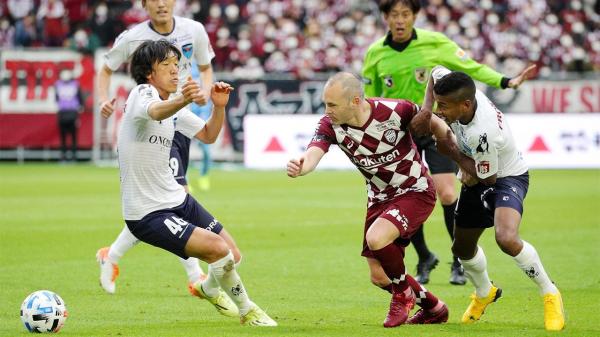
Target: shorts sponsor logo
(483, 167)
(400, 217)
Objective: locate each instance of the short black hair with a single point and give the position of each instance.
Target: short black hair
(457, 83)
(385, 6)
(146, 55)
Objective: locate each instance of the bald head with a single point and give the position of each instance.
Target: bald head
(351, 85)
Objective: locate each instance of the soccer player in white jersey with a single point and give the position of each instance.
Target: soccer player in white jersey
(495, 181)
(191, 39)
(156, 209)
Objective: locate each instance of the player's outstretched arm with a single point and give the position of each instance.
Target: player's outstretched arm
(421, 122)
(106, 105)
(219, 95)
(306, 163)
(526, 74)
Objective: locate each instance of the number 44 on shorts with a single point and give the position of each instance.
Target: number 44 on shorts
(176, 225)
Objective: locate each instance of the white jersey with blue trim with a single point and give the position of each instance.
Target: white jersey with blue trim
(144, 147)
(488, 140)
(188, 36)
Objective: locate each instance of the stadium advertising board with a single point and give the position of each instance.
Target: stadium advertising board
(546, 140)
(27, 99)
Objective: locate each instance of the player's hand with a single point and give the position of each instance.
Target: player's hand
(219, 94)
(420, 125)
(192, 92)
(467, 179)
(294, 167)
(107, 107)
(526, 74)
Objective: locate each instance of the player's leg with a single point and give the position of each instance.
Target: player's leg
(228, 286)
(179, 168)
(471, 220)
(427, 260)
(443, 172)
(108, 258)
(203, 180)
(386, 239)
(73, 132)
(508, 200)
(210, 282)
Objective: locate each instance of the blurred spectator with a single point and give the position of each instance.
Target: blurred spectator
(83, 41)
(70, 103)
(7, 33)
(102, 24)
(19, 9)
(25, 31)
(302, 37)
(135, 14)
(50, 17)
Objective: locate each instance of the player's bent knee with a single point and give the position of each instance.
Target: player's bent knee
(206, 246)
(375, 241)
(510, 243)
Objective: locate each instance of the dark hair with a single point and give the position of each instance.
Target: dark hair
(457, 83)
(385, 6)
(146, 55)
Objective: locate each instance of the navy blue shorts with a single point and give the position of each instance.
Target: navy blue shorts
(171, 228)
(476, 204)
(437, 162)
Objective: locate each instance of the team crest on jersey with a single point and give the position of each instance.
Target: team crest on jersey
(483, 146)
(389, 82)
(461, 54)
(187, 50)
(483, 167)
(421, 74)
(390, 136)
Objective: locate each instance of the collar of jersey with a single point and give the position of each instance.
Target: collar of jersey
(398, 46)
(165, 34)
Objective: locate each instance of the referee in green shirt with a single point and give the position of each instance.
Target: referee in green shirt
(398, 66)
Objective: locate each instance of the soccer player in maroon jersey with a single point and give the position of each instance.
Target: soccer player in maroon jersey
(374, 134)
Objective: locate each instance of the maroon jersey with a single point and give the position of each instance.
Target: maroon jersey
(382, 150)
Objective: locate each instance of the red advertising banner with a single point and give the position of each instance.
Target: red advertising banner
(27, 100)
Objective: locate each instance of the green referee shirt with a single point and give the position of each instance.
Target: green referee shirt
(401, 70)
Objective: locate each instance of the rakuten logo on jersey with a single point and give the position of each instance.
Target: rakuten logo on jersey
(164, 141)
(376, 160)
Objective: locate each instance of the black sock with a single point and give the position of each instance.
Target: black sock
(449, 220)
(418, 240)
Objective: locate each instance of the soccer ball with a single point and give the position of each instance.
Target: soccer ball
(43, 311)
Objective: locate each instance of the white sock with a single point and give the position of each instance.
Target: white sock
(476, 272)
(529, 261)
(124, 242)
(224, 272)
(211, 285)
(192, 268)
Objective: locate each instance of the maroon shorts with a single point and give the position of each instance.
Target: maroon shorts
(407, 212)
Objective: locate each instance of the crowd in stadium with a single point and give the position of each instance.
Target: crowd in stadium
(296, 36)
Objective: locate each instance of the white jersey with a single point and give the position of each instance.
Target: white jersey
(144, 146)
(488, 140)
(188, 36)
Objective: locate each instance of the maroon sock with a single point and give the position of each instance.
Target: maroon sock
(391, 258)
(388, 288)
(425, 299)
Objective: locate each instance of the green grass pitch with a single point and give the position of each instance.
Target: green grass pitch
(301, 241)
